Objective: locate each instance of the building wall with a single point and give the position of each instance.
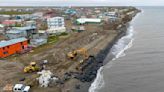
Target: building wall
(55, 22)
(56, 30)
(12, 49)
(1, 30)
(16, 35)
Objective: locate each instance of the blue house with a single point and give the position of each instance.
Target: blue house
(13, 34)
(71, 11)
(30, 30)
(21, 32)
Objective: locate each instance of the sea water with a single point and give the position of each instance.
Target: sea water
(141, 67)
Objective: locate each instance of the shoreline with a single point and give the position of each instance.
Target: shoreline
(85, 86)
(98, 42)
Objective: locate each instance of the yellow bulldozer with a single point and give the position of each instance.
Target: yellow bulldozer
(31, 68)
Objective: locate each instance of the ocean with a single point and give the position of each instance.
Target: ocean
(138, 65)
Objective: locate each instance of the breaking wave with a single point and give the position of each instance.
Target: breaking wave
(123, 44)
(116, 51)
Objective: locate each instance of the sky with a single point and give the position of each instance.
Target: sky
(81, 2)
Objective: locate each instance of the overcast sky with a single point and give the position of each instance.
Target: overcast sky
(81, 2)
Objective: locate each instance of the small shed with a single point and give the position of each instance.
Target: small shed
(78, 28)
(37, 42)
(81, 28)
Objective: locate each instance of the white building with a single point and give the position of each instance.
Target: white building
(1, 28)
(110, 16)
(56, 25)
(55, 22)
(88, 20)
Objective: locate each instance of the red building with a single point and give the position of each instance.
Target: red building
(13, 46)
(9, 23)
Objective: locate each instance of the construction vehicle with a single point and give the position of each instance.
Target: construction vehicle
(31, 68)
(16, 88)
(83, 51)
(75, 54)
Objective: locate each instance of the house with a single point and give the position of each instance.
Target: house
(70, 11)
(55, 22)
(30, 23)
(42, 34)
(36, 15)
(88, 20)
(2, 27)
(18, 32)
(29, 30)
(12, 34)
(9, 23)
(56, 25)
(110, 16)
(56, 30)
(4, 17)
(24, 16)
(13, 46)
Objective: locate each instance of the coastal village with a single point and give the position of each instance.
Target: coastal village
(57, 49)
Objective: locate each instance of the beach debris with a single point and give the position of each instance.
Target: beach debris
(46, 77)
(45, 61)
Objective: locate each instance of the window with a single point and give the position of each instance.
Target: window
(8, 46)
(22, 47)
(21, 43)
(3, 48)
(5, 52)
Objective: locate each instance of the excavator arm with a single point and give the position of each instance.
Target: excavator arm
(82, 51)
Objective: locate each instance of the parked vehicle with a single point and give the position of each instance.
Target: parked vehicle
(21, 88)
(16, 88)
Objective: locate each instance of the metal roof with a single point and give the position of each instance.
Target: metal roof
(14, 31)
(84, 20)
(26, 28)
(10, 42)
(55, 18)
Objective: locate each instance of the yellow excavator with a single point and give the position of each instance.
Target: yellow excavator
(31, 68)
(75, 54)
(82, 51)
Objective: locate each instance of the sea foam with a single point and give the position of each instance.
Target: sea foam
(117, 51)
